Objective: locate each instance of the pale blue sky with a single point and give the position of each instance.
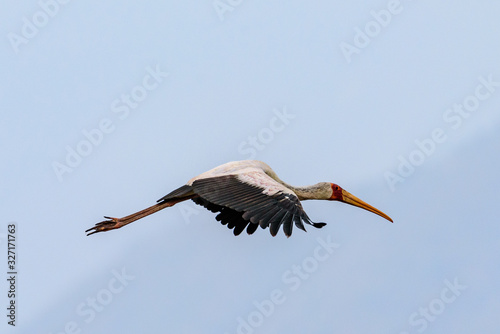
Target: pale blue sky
(176, 89)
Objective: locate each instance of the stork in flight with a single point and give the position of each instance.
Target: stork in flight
(247, 194)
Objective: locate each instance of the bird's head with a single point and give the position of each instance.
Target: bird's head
(339, 194)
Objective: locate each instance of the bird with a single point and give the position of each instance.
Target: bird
(246, 194)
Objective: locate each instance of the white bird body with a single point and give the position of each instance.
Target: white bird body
(252, 172)
(247, 194)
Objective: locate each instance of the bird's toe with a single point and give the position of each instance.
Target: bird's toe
(105, 225)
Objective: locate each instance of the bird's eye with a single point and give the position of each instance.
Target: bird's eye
(335, 187)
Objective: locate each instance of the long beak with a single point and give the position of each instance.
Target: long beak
(353, 200)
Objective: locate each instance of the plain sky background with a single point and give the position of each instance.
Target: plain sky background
(352, 121)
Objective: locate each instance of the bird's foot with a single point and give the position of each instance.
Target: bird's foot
(106, 225)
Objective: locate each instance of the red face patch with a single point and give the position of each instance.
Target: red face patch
(336, 192)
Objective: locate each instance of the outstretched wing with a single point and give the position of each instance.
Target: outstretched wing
(258, 198)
